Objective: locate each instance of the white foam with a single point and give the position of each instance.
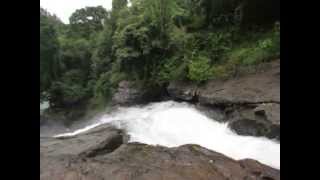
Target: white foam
(173, 124)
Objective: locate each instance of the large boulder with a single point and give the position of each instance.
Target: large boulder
(249, 127)
(103, 153)
(262, 87)
(256, 120)
(103, 139)
(270, 111)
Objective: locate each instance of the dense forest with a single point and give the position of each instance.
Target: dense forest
(151, 43)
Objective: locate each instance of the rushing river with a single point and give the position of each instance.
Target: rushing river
(173, 124)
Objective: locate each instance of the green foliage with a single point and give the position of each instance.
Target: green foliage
(103, 88)
(152, 42)
(66, 95)
(102, 52)
(118, 4)
(265, 48)
(199, 69)
(217, 44)
(172, 69)
(117, 7)
(220, 72)
(160, 13)
(86, 21)
(75, 54)
(131, 46)
(49, 52)
(52, 19)
(139, 45)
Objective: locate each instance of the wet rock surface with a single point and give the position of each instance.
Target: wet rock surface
(131, 93)
(103, 153)
(182, 91)
(127, 94)
(251, 103)
(255, 120)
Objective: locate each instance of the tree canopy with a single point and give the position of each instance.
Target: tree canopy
(152, 42)
(89, 20)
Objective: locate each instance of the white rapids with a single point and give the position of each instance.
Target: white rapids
(173, 124)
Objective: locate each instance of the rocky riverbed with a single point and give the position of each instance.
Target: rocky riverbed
(250, 104)
(104, 153)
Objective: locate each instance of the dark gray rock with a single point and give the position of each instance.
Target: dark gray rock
(127, 94)
(215, 113)
(269, 111)
(249, 127)
(274, 132)
(182, 91)
(109, 144)
(255, 119)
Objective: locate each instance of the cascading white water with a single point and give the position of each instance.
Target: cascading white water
(173, 124)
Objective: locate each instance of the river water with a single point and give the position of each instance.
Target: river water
(173, 124)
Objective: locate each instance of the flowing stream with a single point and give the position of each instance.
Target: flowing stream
(173, 124)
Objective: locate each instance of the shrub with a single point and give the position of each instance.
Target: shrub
(219, 72)
(103, 88)
(217, 44)
(199, 69)
(63, 94)
(172, 69)
(263, 48)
